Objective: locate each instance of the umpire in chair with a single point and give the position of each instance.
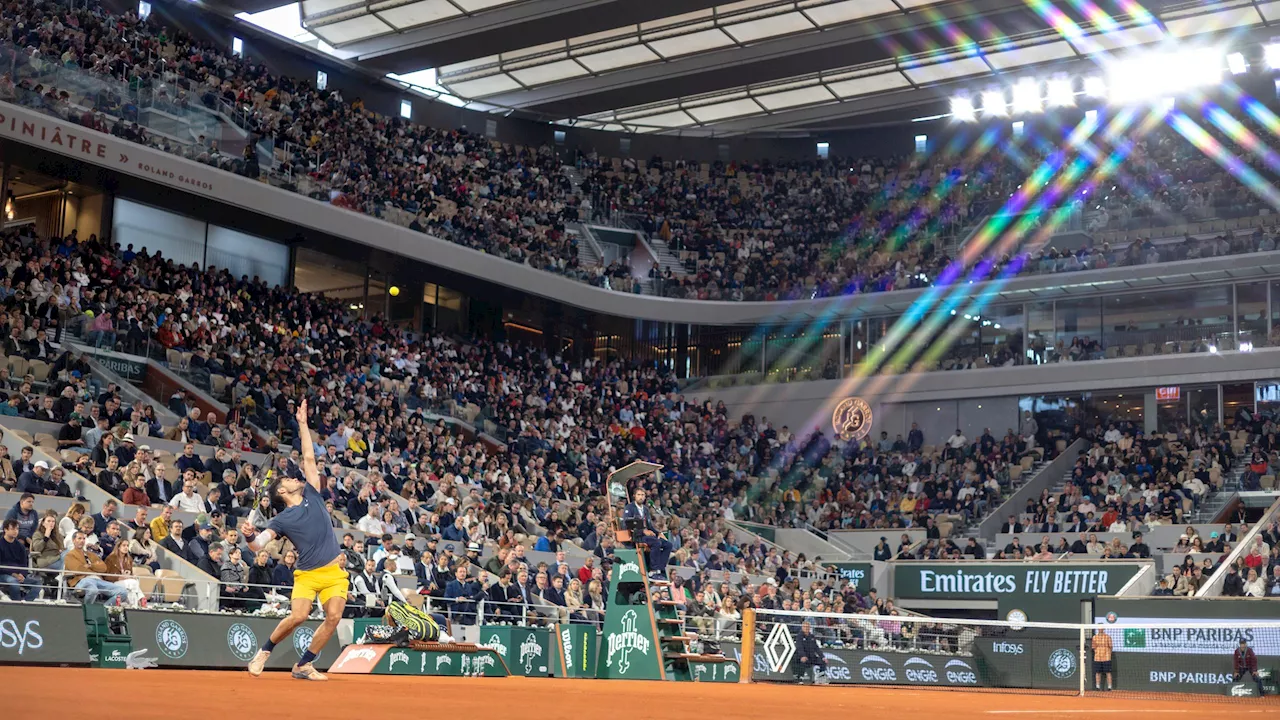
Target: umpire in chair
(638, 518)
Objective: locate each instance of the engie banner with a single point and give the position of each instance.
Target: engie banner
(39, 634)
(861, 667)
(206, 640)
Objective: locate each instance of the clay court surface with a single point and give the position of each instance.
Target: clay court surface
(83, 693)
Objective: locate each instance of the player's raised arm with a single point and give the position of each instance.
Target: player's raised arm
(308, 448)
(259, 541)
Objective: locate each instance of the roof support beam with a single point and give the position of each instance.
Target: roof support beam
(509, 27)
(842, 46)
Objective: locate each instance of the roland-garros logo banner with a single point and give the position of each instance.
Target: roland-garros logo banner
(994, 580)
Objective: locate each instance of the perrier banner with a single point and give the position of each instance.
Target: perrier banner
(629, 645)
(526, 650)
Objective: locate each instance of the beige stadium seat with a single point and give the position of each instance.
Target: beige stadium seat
(219, 384)
(24, 436)
(39, 370)
(18, 366)
(174, 357)
(46, 441)
(1268, 482)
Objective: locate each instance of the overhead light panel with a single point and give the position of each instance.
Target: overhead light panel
(962, 109)
(1157, 75)
(1271, 54)
(993, 103)
(1060, 93)
(1095, 87)
(1237, 64)
(1026, 96)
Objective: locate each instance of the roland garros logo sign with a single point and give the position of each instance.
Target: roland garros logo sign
(851, 419)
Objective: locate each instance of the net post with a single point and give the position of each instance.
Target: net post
(1083, 667)
(748, 662)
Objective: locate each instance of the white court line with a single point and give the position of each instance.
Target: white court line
(1101, 711)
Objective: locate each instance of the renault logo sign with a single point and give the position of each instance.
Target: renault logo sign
(851, 419)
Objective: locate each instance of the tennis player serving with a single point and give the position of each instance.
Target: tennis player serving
(301, 517)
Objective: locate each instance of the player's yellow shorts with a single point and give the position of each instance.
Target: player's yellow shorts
(328, 582)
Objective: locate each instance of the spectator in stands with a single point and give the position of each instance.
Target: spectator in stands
(282, 576)
(85, 571)
(47, 543)
(143, 549)
(197, 547)
(463, 592)
(189, 500)
(16, 574)
(211, 563)
(33, 480)
(173, 542)
(23, 513)
(105, 516)
(234, 574)
(1232, 584)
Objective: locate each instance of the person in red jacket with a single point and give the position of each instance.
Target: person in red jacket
(1245, 662)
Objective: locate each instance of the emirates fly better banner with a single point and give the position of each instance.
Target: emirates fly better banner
(981, 581)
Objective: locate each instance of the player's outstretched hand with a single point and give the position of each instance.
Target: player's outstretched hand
(302, 412)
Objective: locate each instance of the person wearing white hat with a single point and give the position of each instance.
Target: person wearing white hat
(33, 480)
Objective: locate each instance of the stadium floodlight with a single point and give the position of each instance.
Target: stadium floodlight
(1095, 87)
(993, 103)
(1061, 93)
(1026, 96)
(962, 109)
(1271, 54)
(1237, 64)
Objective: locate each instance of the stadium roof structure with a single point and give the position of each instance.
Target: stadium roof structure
(715, 68)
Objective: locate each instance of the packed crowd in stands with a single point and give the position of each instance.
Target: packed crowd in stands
(567, 425)
(751, 231)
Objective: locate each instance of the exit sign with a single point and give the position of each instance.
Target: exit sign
(1168, 394)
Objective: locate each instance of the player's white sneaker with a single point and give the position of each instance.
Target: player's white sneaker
(307, 672)
(445, 637)
(258, 663)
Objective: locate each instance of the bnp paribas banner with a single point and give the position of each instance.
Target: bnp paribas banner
(1189, 626)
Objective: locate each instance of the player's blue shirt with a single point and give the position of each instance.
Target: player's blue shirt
(308, 527)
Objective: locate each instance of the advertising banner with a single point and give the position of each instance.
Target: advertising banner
(1216, 625)
(862, 667)
(526, 650)
(38, 634)
(722, 672)
(401, 661)
(857, 573)
(579, 645)
(207, 640)
(1195, 658)
(1043, 661)
(979, 581)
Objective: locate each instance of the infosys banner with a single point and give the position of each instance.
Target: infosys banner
(207, 640)
(42, 634)
(977, 581)
(859, 667)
